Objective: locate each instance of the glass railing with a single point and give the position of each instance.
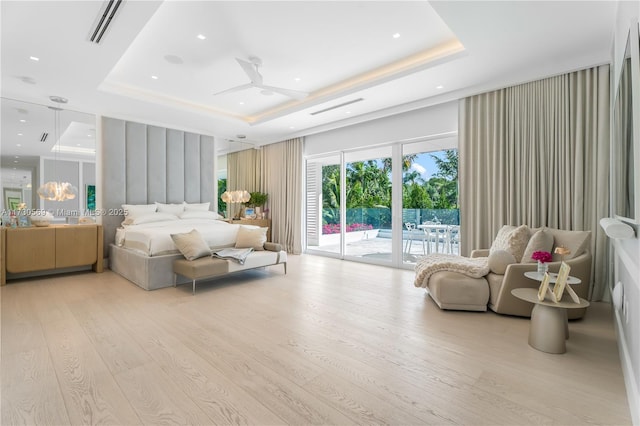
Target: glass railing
(360, 219)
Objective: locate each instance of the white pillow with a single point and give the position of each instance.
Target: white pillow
(540, 241)
(196, 206)
(131, 211)
(150, 218)
(499, 260)
(251, 237)
(198, 214)
(174, 209)
(512, 239)
(191, 245)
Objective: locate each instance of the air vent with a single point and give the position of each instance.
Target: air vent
(337, 106)
(104, 20)
(44, 137)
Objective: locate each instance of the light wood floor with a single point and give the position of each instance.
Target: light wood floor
(332, 342)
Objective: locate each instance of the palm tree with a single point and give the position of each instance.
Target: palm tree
(407, 161)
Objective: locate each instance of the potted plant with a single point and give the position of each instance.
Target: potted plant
(257, 200)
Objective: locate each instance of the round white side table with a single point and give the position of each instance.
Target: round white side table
(547, 331)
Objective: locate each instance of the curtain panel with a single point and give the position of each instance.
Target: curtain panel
(243, 170)
(281, 178)
(538, 154)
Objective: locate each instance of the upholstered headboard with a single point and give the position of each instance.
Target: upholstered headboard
(142, 164)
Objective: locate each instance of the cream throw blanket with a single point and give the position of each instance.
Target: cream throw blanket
(474, 267)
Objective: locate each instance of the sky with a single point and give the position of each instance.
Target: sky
(425, 165)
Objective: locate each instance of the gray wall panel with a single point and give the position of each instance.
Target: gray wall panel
(192, 168)
(175, 166)
(136, 160)
(114, 188)
(157, 164)
(207, 175)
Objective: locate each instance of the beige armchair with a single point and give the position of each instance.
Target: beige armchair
(503, 302)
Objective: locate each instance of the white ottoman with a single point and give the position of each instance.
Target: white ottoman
(455, 291)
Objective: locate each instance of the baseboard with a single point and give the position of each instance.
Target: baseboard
(633, 397)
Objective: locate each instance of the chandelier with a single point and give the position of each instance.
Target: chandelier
(55, 190)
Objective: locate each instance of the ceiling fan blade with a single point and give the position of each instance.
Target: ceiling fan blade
(250, 70)
(235, 89)
(295, 94)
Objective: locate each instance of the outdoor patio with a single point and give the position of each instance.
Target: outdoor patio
(380, 248)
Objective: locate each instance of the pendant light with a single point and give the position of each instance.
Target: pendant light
(56, 190)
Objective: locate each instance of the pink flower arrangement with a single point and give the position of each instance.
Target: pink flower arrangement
(334, 228)
(541, 256)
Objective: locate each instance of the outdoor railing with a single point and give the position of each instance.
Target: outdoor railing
(380, 218)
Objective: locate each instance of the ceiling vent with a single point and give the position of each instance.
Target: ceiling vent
(44, 137)
(337, 106)
(104, 20)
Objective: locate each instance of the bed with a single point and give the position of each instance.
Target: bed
(143, 250)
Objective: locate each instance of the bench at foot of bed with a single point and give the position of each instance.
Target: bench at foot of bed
(210, 267)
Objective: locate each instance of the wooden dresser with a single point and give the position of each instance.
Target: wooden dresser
(52, 247)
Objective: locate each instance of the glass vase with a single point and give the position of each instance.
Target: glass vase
(542, 267)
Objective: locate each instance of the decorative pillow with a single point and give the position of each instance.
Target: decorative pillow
(512, 239)
(191, 245)
(149, 218)
(576, 241)
(499, 260)
(542, 240)
(251, 237)
(198, 214)
(174, 209)
(196, 206)
(131, 211)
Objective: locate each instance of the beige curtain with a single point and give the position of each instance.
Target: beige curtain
(538, 154)
(281, 178)
(243, 170)
(243, 173)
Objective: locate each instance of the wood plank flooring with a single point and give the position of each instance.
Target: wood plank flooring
(332, 342)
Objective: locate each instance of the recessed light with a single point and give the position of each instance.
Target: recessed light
(241, 103)
(201, 37)
(291, 127)
(15, 161)
(440, 87)
(88, 136)
(18, 144)
(23, 121)
(77, 144)
(155, 77)
(348, 112)
(19, 134)
(297, 79)
(16, 156)
(396, 35)
(33, 58)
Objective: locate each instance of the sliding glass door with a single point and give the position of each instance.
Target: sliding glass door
(388, 205)
(368, 199)
(430, 210)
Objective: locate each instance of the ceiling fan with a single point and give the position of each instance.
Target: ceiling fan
(251, 69)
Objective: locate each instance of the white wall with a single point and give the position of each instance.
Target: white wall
(420, 123)
(627, 252)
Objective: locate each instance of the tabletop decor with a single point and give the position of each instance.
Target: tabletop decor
(543, 257)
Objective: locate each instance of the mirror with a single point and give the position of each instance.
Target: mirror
(31, 155)
(624, 173)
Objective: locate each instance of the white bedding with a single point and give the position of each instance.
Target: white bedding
(154, 239)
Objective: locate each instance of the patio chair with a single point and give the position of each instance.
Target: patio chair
(411, 228)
